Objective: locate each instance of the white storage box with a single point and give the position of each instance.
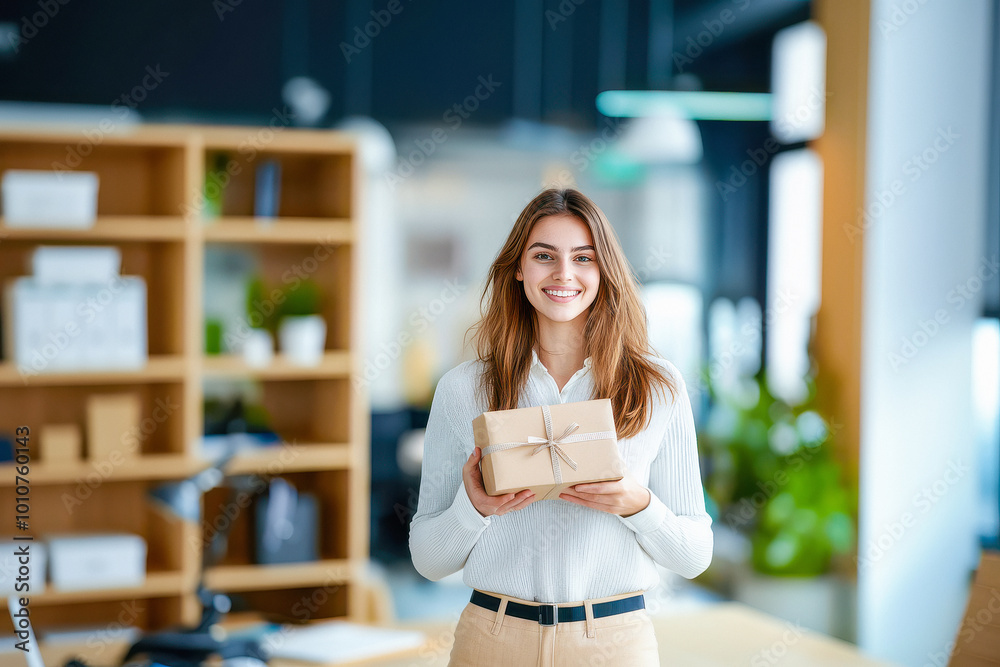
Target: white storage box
(10, 566)
(96, 561)
(64, 264)
(63, 199)
(75, 327)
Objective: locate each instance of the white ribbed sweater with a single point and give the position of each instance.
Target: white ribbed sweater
(553, 550)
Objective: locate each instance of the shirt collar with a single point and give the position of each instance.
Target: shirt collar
(536, 362)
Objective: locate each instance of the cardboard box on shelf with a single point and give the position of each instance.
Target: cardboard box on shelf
(60, 444)
(109, 418)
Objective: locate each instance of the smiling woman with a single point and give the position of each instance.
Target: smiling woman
(563, 323)
(561, 279)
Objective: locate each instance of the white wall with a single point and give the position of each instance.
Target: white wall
(928, 96)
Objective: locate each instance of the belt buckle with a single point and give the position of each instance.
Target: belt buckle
(548, 614)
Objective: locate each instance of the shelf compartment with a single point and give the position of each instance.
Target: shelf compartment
(310, 410)
(313, 184)
(300, 231)
(106, 228)
(329, 267)
(297, 605)
(232, 512)
(160, 264)
(136, 179)
(235, 578)
(98, 506)
(161, 419)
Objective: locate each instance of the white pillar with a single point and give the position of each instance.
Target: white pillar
(924, 236)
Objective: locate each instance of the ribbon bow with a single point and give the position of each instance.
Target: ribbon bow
(552, 444)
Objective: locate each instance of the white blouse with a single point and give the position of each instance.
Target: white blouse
(553, 550)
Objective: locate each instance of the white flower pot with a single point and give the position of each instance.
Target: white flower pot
(302, 339)
(258, 348)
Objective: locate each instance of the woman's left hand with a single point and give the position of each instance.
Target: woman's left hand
(624, 497)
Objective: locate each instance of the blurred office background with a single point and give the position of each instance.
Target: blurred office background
(807, 191)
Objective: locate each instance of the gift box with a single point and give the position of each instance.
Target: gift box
(548, 448)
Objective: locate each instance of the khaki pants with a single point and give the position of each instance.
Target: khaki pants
(487, 638)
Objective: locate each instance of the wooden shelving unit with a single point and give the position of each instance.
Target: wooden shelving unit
(150, 194)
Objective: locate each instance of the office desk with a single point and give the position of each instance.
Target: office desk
(720, 635)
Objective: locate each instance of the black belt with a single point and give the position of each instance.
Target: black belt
(550, 614)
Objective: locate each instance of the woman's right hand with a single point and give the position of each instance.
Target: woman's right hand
(490, 505)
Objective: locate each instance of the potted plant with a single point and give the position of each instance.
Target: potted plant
(774, 479)
(257, 345)
(301, 329)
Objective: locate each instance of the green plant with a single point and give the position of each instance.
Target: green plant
(265, 307)
(303, 299)
(213, 335)
(771, 472)
(260, 306)
(213, 188)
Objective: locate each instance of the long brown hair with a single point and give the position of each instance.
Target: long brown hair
(615, 335)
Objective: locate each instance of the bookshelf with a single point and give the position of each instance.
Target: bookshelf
(149, 206)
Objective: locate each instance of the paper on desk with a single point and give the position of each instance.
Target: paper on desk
(339, 641)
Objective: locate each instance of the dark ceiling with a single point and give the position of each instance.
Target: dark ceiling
(226, 60)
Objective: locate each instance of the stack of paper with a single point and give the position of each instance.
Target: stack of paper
(339, 641)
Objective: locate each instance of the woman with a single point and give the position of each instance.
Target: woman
(564, 323)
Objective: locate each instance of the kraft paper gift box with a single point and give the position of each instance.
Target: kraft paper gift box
(548, 448)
